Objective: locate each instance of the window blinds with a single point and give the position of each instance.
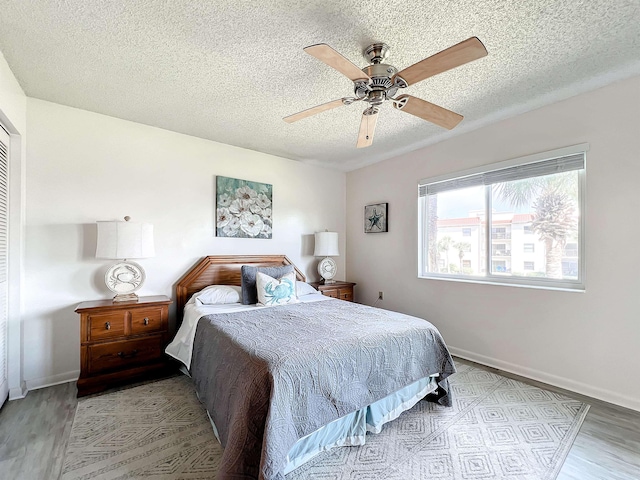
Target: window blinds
(566, 163)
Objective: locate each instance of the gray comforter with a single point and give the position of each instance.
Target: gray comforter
(273, 375)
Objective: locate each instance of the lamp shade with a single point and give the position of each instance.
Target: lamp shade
(121, 240)
(326, 244)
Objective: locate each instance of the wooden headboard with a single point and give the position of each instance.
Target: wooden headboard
(222, 270)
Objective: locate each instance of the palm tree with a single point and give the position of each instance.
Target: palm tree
(553, 199)
(462, 247)
(432, 228)
(444, 244)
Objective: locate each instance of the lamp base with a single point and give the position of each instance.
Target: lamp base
(125, 297)
(327, 269)
(124, 279)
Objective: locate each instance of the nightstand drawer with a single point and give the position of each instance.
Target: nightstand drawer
(337, 289)
(345, 294)
(106, 325)
(146, 321)
(333, 293)
(125, 354)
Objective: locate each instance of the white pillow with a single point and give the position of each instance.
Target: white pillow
(303, 288)
(273, 292)
(217, 295)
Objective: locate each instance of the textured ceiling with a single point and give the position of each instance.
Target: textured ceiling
(230, 70)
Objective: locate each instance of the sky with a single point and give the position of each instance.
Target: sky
(458, 203)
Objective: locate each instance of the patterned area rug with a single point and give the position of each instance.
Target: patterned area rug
(498, 428)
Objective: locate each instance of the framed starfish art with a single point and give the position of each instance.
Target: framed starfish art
(375, 218)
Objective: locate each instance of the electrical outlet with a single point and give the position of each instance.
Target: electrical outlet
(379, 295)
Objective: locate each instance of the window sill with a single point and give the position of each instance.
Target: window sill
(578, 288)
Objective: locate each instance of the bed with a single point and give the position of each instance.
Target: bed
(282, 384)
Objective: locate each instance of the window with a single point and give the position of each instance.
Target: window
(499, 266)
(571, 250)
(570, 268)
(500, 250)
(499, 233)
(540, 196)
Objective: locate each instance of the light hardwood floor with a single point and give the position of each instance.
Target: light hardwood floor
(608, 445)
(34, 432)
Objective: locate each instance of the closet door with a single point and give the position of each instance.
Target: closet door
(4, 242)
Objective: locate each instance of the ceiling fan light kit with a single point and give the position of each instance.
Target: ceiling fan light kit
(379, 82)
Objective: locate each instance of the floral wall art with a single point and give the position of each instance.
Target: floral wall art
(243, 208)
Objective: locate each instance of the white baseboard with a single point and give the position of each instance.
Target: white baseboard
(544, 377)
(555, 380)
(53, 380)
(16, 393)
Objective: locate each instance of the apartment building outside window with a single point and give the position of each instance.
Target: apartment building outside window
(571, 250)
(516, 222)
(499, 233)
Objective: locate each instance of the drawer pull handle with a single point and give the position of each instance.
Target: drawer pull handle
(107, 326)
(128, 355)
(146, 321)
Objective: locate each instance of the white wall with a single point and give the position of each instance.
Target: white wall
(84, 167)
(13, 115)
(586, 342)
(12, 99)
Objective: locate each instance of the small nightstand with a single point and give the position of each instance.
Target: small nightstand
(122, 342)
(338, 289)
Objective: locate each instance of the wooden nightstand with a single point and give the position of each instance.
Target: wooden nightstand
(341, 290)
(122, 342)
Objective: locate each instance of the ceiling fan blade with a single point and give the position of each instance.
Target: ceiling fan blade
(464, 52)
(328, 55)
(367, 128)
(428, 111)
(313, 110)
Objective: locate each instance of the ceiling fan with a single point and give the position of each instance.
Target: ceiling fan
(379, 82)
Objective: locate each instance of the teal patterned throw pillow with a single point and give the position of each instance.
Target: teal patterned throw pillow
(272, 292)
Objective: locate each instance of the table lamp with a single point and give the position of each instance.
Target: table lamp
(119, 240)
(327, 246)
